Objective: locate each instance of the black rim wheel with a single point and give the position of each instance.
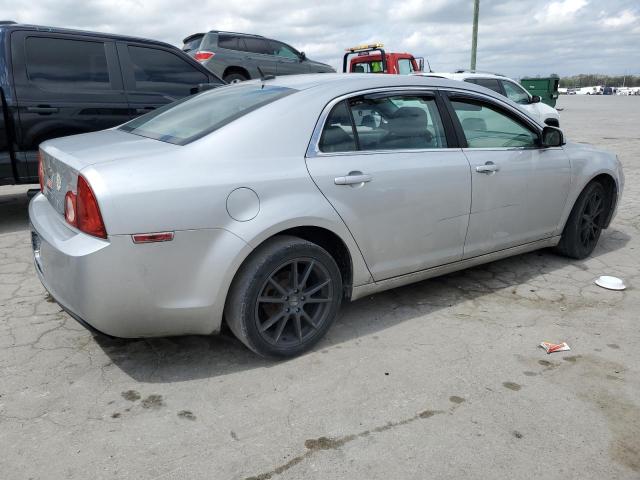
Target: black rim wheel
(592, 219)
(294, 302)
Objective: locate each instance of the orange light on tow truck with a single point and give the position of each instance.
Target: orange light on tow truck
(370, 46)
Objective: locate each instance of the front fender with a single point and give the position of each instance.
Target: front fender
(587, 163)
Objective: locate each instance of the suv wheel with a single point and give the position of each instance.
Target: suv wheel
(284, 297)
(234, 78)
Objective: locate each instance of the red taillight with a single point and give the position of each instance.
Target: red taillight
(41, 170)
(202, 55)
(70, 209)
(87, 212)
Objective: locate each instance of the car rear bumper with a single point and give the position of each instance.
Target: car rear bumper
(132, 290)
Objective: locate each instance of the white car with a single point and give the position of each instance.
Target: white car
(507, 87)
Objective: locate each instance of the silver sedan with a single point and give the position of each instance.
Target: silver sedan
(267, 204)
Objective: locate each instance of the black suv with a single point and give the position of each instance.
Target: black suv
(236, 57)
(56, 82)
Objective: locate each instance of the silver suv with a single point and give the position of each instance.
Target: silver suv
(238, 56)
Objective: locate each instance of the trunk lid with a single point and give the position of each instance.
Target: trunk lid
(64, 158)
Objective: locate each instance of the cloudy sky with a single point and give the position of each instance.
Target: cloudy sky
(516, 37)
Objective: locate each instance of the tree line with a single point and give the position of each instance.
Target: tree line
(591, 79)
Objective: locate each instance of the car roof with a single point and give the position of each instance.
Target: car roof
(237, 33)
(9, 26)
(343, 83)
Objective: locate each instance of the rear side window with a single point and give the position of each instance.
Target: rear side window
(62, 64)
(230, 42)
(164, 72)
(490, 83)
(337, 134)
(193, 117)
(257, 45)
(384, 123)
(398, 123)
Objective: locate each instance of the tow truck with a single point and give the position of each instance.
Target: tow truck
(372, 58)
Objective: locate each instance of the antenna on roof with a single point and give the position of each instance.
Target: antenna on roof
(428, 65)
(264, 77)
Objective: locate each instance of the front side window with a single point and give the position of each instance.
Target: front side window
(282, 50)
(384, 123)
(488, 127)
(161, 71)
(62, 64)
(515, 93)
(405, 67)
(193, 117)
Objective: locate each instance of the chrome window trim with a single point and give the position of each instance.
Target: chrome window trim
(313, 149)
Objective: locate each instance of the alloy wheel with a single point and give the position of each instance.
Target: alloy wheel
(294, 302)
(592, 219)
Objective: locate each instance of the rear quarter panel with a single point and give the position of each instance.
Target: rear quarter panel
(187, 189)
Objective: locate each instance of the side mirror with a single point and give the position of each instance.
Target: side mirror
(420, 64)
(535, 99)
(203, 87)
(303, 56)
(552, 137)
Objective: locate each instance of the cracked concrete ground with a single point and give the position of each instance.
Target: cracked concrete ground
(441, 379)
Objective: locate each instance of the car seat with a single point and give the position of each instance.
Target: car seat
(408, 128)
(335, 139)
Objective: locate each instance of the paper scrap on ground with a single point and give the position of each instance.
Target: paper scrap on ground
(555, 347)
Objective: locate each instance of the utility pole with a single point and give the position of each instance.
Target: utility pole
(474, 40)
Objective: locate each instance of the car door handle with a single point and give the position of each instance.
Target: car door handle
(43, 110)
(488, 167)
(353, 179)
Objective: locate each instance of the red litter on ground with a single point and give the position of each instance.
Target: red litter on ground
(555, 347)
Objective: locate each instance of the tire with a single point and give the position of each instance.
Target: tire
(235, 78)
(271, 315)
(582, 231)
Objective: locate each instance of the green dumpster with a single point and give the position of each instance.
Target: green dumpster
(545, 88)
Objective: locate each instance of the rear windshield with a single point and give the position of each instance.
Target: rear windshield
(191, 118)
(192, 43)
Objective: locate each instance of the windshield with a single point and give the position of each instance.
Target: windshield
(193, 117)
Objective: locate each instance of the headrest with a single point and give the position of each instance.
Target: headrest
(477, 124)
(408, 122)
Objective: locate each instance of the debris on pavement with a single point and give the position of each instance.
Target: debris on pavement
(610, 283)
(555, 347)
